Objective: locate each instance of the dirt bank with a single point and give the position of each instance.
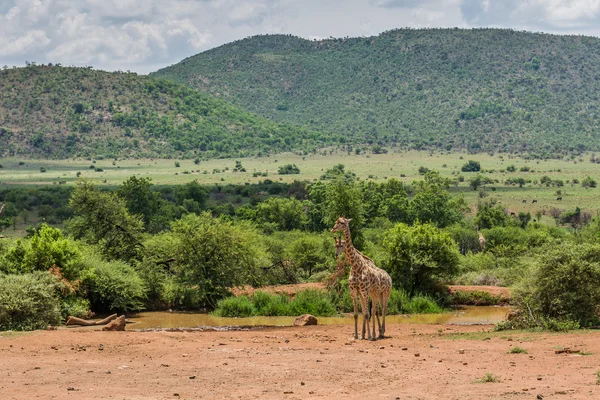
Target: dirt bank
(416, 362)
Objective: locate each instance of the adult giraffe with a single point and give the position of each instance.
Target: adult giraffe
(365, 280)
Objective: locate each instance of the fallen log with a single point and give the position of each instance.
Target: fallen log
(79, 321)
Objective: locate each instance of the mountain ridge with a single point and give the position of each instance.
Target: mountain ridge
(480, 90)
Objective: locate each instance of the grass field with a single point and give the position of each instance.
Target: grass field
(401, 165)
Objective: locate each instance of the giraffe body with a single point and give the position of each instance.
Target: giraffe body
(481, 240)
(365, 280)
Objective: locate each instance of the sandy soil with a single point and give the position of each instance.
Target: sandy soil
(415, 362)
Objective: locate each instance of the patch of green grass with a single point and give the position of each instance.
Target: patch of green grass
(517, 350)
(598, 377)
(489, 378)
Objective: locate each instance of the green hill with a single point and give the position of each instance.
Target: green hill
(481, 89)
(56, 112)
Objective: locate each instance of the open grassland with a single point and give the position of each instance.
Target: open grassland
(403, 166)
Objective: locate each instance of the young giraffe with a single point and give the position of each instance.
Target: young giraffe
(481, 239)
(365, 280)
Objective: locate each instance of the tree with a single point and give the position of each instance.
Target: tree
(343, 198)
(288, 169)
(213, 255)
(102, 218)
(432, 202)
(524, 219)
(588, 182)
(420, 255)
(310, 253)
(285, 214)
(511, 168)
(489, 214)
(563, 285)
(139, 198)
(471, 166)
(476, 182)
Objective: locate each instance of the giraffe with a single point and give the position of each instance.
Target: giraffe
(481, 239)
(365, 280)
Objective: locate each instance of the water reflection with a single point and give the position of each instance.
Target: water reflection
(466, 315)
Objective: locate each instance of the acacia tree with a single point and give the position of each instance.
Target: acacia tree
(344, 198)
(102, 218)
(214, 255)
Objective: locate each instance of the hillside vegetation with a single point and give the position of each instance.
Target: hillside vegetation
(57, 112)
(480, 90)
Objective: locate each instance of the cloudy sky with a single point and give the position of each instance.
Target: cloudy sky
(144, 35)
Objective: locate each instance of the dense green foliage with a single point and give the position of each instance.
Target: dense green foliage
(563, 286)
(28, 301)
(312, 302)
(58, 112)
(479, 89)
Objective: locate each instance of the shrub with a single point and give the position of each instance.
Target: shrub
(419, 255)
(235, 307)
(562, 287)
(421, 304)
(270, 304)
(517, 350)
(28, 301)
(313, 302)
(75, 306)
(288, 169)
(476, 298)
(471, 166)
(113, 285)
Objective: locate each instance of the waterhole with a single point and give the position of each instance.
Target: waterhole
(468, 315)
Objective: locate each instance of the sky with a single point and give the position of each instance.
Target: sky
(145, 35)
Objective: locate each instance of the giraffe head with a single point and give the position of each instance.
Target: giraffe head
(339, 246)
(341, 224)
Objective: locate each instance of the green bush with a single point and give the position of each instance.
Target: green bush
(179, 295)
(113, 285)
(562, 287)
(75, 306)
(271, 304)
(421, 304)
(29, 301)
(236, 307)
(313, 302)
(419, 255)
(475, 298)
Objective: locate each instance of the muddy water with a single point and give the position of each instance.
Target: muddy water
(465, 315)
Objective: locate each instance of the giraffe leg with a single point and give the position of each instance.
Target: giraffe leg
(374, 316)
(364, 304)
(377, 309)
(384, 306)
(355, 301)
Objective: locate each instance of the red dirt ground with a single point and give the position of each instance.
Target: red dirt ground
(415, 362)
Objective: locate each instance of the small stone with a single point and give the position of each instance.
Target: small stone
(70, 388)
(193, 377)
(417, 354)
(510, 339)
(539, 397)
(107, 372)
(525, 390)
(164, 365)
(383, 366)
(302, 383)
(465, 363)
(405, 348)
(461, 351)
(539, 378)
(288, 392)
(381, 347)
(176, 394)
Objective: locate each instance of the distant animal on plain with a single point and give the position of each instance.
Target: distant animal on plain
(512, 213)
(533, 201)
(559, 198)
(524, 201)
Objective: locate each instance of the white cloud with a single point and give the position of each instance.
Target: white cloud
(143, 35)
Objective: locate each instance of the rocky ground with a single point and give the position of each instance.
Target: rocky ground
(414, 362)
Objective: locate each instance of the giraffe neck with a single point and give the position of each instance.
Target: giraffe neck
(351, 252)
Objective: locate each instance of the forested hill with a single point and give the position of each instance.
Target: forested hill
(481, 89)
(56, 112)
